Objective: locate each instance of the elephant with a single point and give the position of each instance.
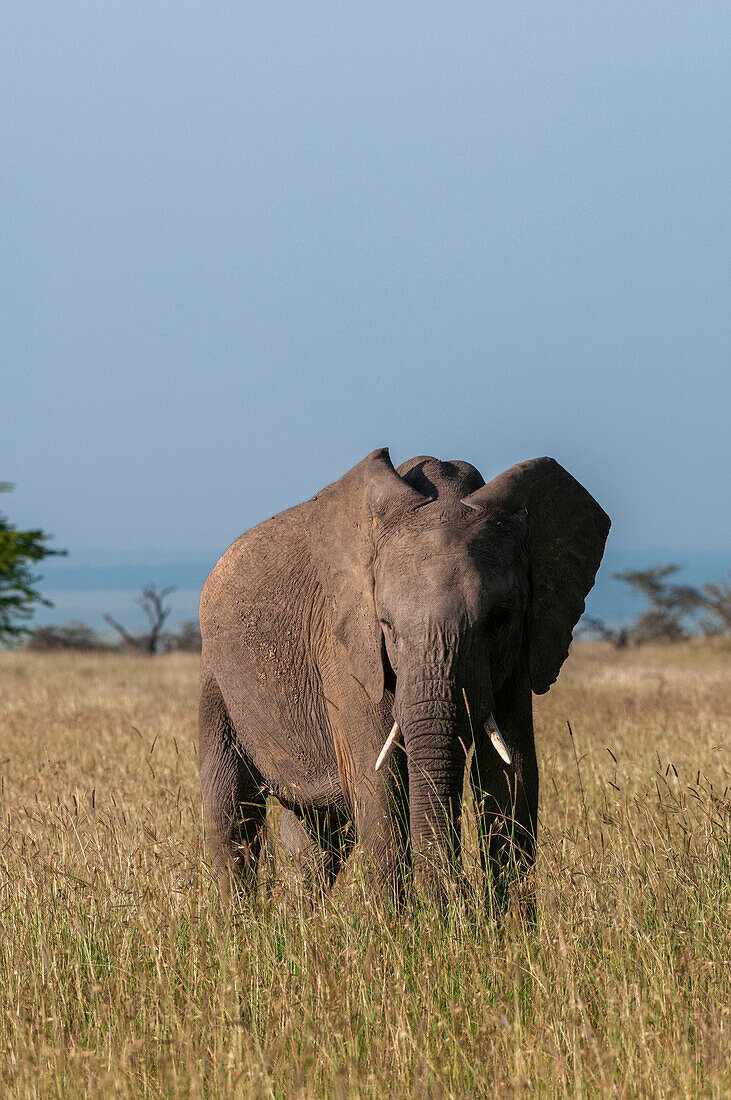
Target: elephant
(356, 647)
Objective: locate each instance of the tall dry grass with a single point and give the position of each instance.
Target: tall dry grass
(120, 975)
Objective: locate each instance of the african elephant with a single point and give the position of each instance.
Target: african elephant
(422, 602)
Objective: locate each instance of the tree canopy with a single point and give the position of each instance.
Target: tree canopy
(19, 552)
(674, 612)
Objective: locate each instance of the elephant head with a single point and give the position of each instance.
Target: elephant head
(446, 584)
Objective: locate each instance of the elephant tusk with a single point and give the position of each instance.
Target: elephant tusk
(389, 741)
(498, 740)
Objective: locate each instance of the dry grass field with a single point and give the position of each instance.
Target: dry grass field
(120, 975)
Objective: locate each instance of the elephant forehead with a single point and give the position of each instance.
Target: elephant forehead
(445, 556)
(420, 539)
(433, 535)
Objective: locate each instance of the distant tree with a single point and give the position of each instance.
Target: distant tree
(152, 603)
(19, 597)
(73, 635)
(186, 640)
(717, 605)
(592, 625)
(79, 636)
(671, 605)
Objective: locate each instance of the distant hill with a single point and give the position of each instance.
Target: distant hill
(89, 583)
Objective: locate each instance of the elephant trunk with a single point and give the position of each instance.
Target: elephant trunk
(436, 731)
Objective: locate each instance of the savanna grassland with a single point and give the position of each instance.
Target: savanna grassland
(121, 976)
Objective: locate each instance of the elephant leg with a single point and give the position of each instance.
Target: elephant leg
(506, 796)
(234, 798)
(506, 807)
(316, 842)
(300, 851)
(382, 826)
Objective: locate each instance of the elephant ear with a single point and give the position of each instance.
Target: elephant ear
(341, 534)
(567, 531)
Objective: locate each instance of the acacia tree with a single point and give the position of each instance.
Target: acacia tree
(19, 550)
(717, 604)
(670, 604)
(19, 596)
(674, 611)
(618, 637)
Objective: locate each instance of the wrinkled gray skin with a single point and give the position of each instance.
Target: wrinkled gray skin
(391, 595)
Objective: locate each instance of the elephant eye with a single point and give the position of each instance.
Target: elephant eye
(386, 623)
(498, 616)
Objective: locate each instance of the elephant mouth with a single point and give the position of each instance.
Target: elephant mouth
(491, 728)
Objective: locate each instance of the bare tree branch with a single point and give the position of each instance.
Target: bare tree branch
(129, 638)
(152, 603)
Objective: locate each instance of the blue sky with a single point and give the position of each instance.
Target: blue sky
(245, 244)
